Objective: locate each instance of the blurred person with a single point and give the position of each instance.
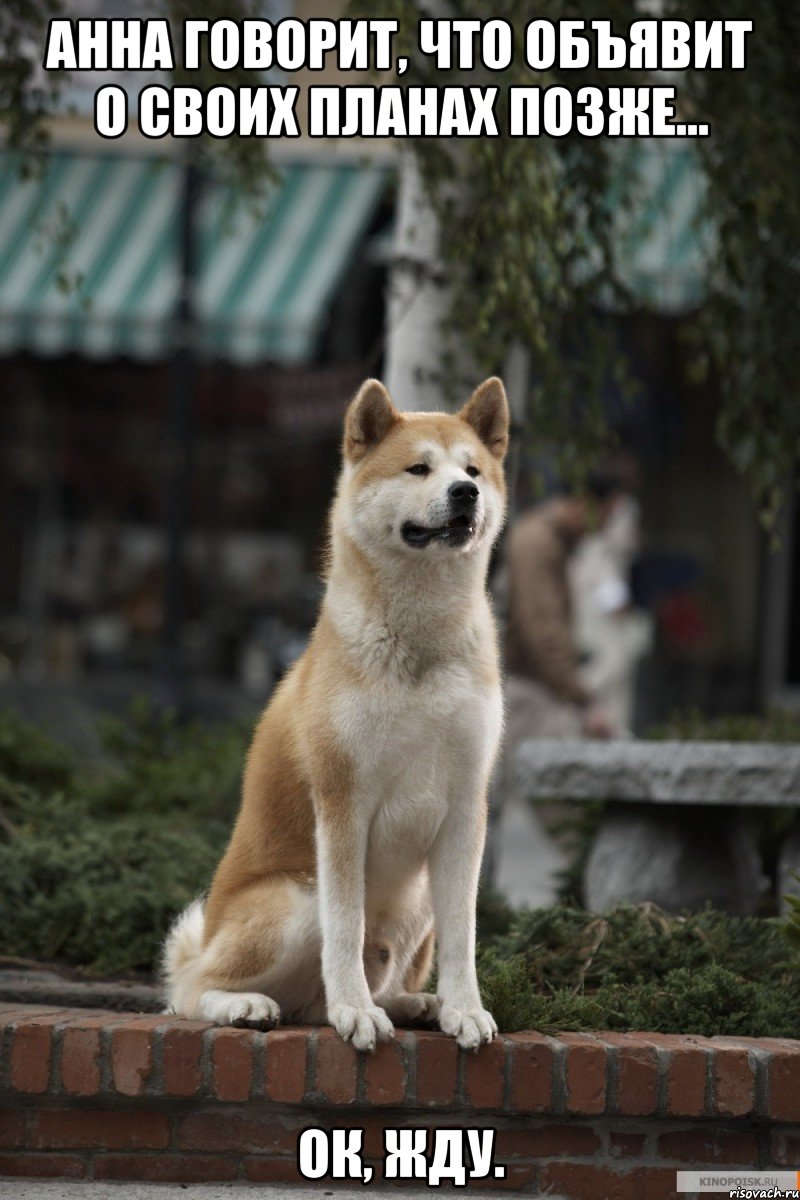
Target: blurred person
(611, 634)
(547, 695)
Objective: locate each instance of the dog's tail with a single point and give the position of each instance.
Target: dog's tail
(182, 950)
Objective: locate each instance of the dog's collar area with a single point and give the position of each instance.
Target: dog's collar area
(456, 532)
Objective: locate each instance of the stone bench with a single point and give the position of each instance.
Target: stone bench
(672, 831)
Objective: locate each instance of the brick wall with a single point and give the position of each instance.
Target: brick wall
(104, 1095)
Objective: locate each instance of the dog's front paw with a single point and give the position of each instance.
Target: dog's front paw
(361, 1026)
(469, 1026)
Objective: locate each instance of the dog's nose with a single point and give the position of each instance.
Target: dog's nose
(462, 494)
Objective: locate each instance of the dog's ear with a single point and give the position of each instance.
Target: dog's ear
(369, 418)
(487, 412)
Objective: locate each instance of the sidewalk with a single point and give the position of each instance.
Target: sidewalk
(57, 1189)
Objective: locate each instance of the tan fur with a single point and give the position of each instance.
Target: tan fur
(304, 771)
(417, 974)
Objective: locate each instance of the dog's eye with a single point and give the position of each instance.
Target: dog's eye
(419, 469)
(472, 471)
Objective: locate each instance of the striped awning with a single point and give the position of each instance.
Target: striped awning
(89, 257)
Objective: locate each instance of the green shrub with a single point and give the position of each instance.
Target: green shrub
(710, 1002)
(567, 947)
(30, 756)
(160, 765)
(100, 894)
(495, 915)
(637, 968)
(95, 863)
(692, 725)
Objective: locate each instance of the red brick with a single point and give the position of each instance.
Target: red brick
(42, 1166)
(547, 1141)
(81, 1017)
(785, 1148)
(272, 1170)
(532, 1059)
(285, 1078)
(771, 1045)
(734, 1083)
(637, 1074)
(385, 1073)
(518, 1177)
(220, 1132)
(626, 1145)
(31, 1054)
(232, 1063)
(131, 1058)
(581, 1181)
(10, 1013)
(437, 1061)
(784, 1085)
(709, 1147)
(73, 1129)
(91, 1019)
(181, 1049)
(80, 1061)
(687, 1072)
(12, 1128)
(658, 1183)
(675, 1041)
(484, 1071)
(337, 1068)
(376, 1179)
(584, 1182)
(166, 1168)
(585, 1074)
(374, 1128)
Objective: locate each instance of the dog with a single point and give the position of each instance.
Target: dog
(363, 812)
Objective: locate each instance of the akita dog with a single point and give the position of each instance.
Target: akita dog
(364, 799)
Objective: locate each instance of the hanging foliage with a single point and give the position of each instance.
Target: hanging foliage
(521, 217)
(29, 96)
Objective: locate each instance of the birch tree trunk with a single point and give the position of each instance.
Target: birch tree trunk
(418, 298)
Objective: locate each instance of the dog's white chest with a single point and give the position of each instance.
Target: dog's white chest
(415, 751)
(392, 731)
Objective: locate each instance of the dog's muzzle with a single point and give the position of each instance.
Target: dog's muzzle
(462, 498)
